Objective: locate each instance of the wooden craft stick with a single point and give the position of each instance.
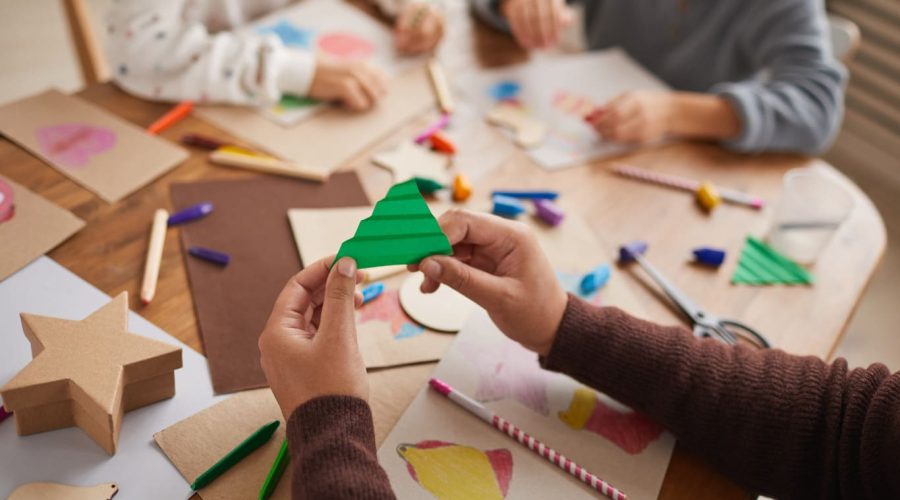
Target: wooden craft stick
(441, 87)
(154, 255)
(265, 164)
(173, 116)
(502, 425)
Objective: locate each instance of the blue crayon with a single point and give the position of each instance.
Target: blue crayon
(372, 292)
(506, 206)
(213, 256)
(191, 213)
(628, 251)
(712, 257)
(528, 195)
(595, 279)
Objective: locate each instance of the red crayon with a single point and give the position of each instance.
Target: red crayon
(174, 115)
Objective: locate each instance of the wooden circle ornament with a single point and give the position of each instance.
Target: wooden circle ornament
(445, 310)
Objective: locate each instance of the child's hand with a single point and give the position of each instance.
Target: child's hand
(356, 84)
(419, 27)
(498, 264)
(537, 24)
(634, 117)
(308, 347)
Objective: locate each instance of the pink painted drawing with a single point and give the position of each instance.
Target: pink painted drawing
(74, 144)
(386, 308)
(508, 370)
(629, 430)
(7, 205)
(345, 46)
(449, 470)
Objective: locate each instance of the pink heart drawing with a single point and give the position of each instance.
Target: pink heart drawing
(346, 46)
(74, 144)
(7, 208)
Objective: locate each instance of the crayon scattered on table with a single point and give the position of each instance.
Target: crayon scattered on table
(440, 85)
(154, 255)
(526, 440)
(173, 116)
(549, 212)
(432, 129)
(684, 184)
(462, 188)
(528, 195)
(427, 186)
(372, 292)
(712, 257)
(246, 447)
(595, 280)
(708, 197)
(202, 142)
(275, 473)
(628, 250)
(4, 414)
(506, 206)
(442, 144)
(193, 212)
(209, 255)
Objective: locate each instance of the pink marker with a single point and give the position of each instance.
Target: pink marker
(554, 457)
(440, 124)
(685, 184)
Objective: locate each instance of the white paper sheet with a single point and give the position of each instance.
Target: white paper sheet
(69, 455)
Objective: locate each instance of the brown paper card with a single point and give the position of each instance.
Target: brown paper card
(96, 149)
(330, 138)
(197, 442)
(30, 226)
(250, 224)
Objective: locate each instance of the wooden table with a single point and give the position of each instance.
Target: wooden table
(109, 251)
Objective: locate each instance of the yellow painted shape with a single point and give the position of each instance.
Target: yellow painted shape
(580, 409)
(708, 197)
(454, 472)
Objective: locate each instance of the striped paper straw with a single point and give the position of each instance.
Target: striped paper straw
(684, 184)
(527, 440)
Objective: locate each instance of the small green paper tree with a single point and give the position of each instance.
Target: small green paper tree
(760, 264)
(401, 230)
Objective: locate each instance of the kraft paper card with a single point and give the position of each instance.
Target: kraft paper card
(69, 455)
(96, 149)
(249, 224)
(197, 442)
(30, 226)
(330, 138)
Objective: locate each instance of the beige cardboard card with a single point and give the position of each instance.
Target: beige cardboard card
(88, 373)
(197, 442)
(30, 226)
(96, 149)
(58, 491)
(331, 137)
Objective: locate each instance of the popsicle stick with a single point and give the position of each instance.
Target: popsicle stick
(441, 87)
(268, 165)
(154, 255)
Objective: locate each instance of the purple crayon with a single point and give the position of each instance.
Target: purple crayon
(549, 212)
(210, 255)
(191, 213)
(629, 250)
(712, 257)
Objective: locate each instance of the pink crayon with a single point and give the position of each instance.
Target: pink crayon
(426, 134)
(526, 440)
(684, 184)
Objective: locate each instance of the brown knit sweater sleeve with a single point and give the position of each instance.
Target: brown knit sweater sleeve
(332, 444)
(781, 425)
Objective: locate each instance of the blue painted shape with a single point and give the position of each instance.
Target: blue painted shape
(409, 330)
(596, 279)
(712, 257)
(290, 34)
(504, 90)
(506, 206)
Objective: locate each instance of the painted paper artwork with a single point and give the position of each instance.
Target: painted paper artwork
(453, 471)
(559, 91)
(74, 144)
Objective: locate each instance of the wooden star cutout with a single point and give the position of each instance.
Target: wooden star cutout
(410, 160)
(89, 373)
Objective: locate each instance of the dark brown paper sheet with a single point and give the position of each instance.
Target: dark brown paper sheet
(250, 224)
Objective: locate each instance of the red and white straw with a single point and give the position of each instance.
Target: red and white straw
(684, 184)
(527, 440)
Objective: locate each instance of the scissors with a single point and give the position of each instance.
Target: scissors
(705, 324)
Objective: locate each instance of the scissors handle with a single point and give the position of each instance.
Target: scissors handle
(738, 329)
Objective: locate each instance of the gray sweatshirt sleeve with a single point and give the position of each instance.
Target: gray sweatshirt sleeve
(489, 12)
(796, 105)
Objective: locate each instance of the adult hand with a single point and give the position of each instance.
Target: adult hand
(634, 117)
(500, 266)
(308, 347)
(537, 24)
(355, 84)
(419, 27)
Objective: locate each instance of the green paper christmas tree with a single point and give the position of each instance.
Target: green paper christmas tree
(401, 230)
(760, 264)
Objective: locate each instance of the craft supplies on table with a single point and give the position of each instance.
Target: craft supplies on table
(707, 194)
(181, 111)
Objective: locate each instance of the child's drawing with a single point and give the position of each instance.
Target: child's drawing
(629, 430)
(453, 471)
(506, 370)
(290, 35)
(74, 144)
(345, 46)
(7, 207)
(386, 308)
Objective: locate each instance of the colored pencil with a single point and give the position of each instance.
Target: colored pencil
(275, 473)
(441, 88)
(173, 116)
(526, 440)
(154, 255)
(238, 453)
(729, 195)
(265, 164)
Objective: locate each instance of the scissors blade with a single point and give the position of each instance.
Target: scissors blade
(687, 306)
